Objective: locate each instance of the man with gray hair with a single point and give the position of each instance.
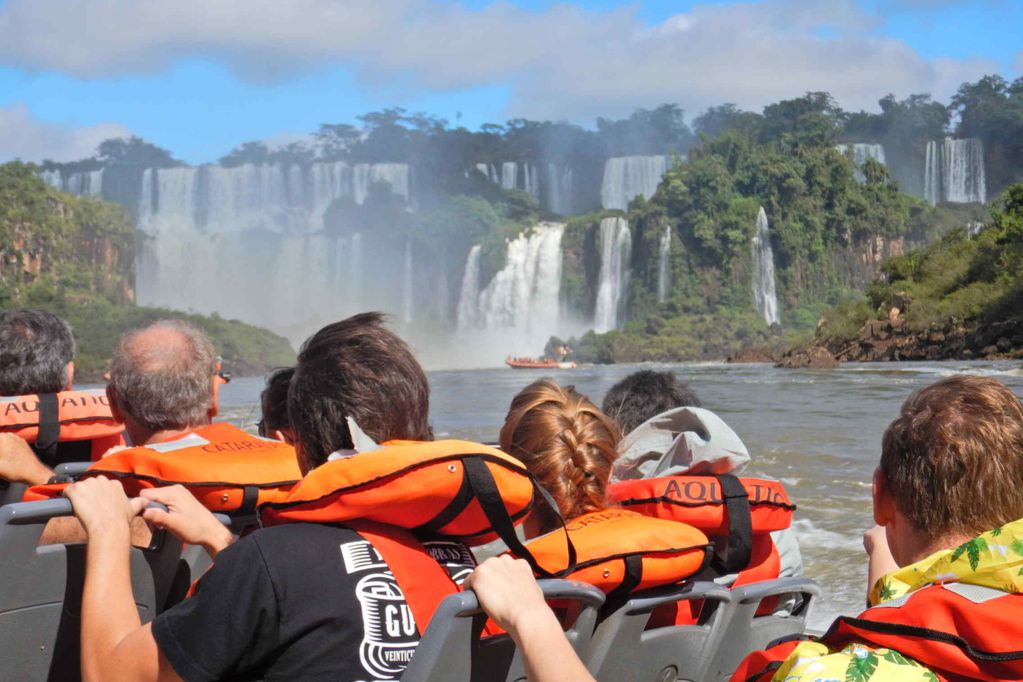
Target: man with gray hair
(162, 381)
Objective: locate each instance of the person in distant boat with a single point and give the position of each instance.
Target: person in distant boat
(668, 433)
(42, 423)
(947, 494)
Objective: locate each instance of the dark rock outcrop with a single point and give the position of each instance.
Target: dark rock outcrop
(814, 357)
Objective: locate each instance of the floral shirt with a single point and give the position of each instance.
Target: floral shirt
(993, 559)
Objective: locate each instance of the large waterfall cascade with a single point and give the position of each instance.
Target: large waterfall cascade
(248, 242)
(862, 151)
(664, 265)
(764, 294)
(954, 171)
(521, 304)
(627, 177)
(613, 282)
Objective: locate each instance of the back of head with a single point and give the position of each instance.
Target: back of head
(273, 402)
(161, 376)
(566, 442)
(35, 349)
(645, 394)
(356, 368)
(953, 459)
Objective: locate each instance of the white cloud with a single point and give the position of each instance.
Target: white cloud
(562, 62)
(22, 136)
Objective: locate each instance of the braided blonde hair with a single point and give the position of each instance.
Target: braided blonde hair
(566, 442)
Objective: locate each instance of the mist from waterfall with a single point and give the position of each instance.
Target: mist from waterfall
(613, 282)
(627, 177)
(664, 266)
(764, 295)
(407, 285)
(248, 242)
(954, 171)
(519, 309)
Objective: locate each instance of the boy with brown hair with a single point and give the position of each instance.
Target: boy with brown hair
(948, 495)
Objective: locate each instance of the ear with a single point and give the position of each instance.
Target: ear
(70, 375)
(115, 409)
(884, 505)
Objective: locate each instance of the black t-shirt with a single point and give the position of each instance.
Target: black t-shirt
(301, 601)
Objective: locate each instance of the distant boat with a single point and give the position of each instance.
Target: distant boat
(534, 363)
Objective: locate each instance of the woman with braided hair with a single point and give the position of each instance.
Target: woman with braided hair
(567, 443)
(570, 447)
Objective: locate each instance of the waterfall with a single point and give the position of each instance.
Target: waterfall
(558, 197)
(664, 266)
(468, 297)
(626, 177)
(764, 295)
(862, 151)
(615, 254)
(88, 183)
(249, 242)
(954, 171)
(509, 175)
(407, 289)
(520, 307)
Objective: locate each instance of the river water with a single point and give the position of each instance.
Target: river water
(819, 432)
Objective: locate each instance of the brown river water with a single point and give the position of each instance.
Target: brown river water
(819, 432)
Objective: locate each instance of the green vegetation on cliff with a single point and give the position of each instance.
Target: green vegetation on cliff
(75, 257)
(962, 295)
(829, 232)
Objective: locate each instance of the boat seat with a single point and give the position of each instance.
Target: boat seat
(451, 648)
(623, 649)
(746, 631)
(41, 591)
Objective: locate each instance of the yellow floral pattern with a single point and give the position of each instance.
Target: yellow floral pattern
(993, 559)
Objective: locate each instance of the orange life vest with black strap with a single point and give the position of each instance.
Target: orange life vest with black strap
(958, 631)
(451, 488)
(226, 469)
(620, 551)
(48, 420)
(742, 511)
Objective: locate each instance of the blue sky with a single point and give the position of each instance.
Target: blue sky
(200, 76)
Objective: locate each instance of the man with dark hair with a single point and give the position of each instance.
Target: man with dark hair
(36, 357)
(645, 394)
(949, 508)
(36, 353)
(304, 600)
(273, 403)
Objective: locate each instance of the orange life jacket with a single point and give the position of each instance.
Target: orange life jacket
(446, 487)
(46, 419)
(748, 509)
(226, 469)
(620, 551)
(957, 631)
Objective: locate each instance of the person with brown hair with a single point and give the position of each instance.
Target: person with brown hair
(949, 507)
(567, 443)
(570, 447)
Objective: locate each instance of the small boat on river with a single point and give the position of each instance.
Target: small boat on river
(538, 363)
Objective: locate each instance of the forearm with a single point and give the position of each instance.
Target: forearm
(108, 605)
(547, 654)
(218, 539)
